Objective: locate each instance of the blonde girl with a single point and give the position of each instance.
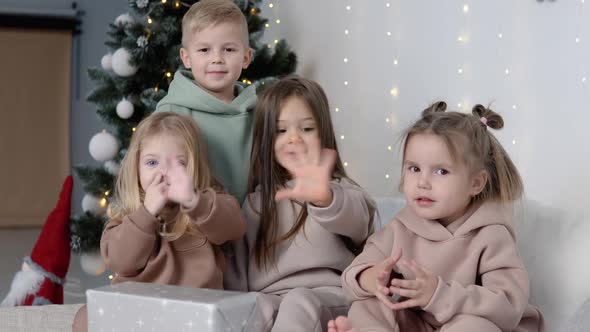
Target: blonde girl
(168, 217)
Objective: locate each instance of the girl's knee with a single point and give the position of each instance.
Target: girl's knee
(470, 323)
(80, 323)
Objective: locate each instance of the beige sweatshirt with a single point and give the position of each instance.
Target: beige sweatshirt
(317, 255)
(475, 258)
(135, 251)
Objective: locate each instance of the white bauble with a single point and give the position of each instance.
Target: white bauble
(106, 61)
(124, 19)
(124, 109)
(92, 204)
(92, 263)
(112, 167)
(121, 64)
(103, 146)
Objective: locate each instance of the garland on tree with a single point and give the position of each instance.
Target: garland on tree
(133, 77)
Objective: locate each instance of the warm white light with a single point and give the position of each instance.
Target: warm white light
(345, 164)
(270, 5)
(387, 4)
(513, 107)
(110, 276)
(394, 92)
(345, 82)
(133, 129)
(387, 176)
(276, 41)
(395, 62)
(267, 25)
(507, 71)
(513, 142)
(465, 8)
(460, 38)
(341, 136)
(460, 70)
(389, 33)
(459, 105)
(150, 20)
(389, 147)
(345, 60)
(269, 45)
(278, 21)
(336, 109)
(347, 7)
(345, 32)
(386, 119)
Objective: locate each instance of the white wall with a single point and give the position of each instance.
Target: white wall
(545, 83)
(544, 96)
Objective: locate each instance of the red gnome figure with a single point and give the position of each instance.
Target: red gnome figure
(43, 273)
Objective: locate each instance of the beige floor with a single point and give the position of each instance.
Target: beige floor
(15, 244)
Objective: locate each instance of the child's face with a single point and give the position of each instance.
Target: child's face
(297, 138)
(216, 56)
(435, 186)
(157, 155)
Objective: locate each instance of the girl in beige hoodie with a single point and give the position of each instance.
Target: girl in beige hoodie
(305, 217)
(167, 222)
(448, 261)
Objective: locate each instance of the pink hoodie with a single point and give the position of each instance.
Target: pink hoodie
(475, 258)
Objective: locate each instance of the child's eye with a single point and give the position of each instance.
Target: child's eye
(151, 163)
(229, 49)
(308, 129)
(182, 163)
(441, 171)
(281, 131)
(413, 169)
(203, 50)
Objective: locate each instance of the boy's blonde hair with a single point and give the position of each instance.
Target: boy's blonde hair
(129, 196)
(469, 140)
(207, 13)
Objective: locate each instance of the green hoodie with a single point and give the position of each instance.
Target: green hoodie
(226, 128)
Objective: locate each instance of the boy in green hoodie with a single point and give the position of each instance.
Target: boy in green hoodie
(215, 47)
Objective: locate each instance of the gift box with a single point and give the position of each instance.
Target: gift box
(134, 306)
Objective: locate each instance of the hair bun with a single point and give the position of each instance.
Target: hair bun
(493, 119)
(439, 106)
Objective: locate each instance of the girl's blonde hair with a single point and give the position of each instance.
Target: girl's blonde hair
(469, 140)
(128, 194)
(267, 173)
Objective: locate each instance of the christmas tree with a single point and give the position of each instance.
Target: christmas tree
(133, 77)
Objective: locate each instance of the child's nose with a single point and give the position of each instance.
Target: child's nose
(294, 137)
(424, 181)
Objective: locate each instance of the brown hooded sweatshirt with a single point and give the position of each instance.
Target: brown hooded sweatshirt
(135, 251)
(476, 260)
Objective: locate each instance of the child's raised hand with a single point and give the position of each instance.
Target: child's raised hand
(418, 291)
(156, 195)
(312, 174)
(181, 188)
(376, 279)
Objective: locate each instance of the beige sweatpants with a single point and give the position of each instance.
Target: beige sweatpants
(372, 315)
(302, 309)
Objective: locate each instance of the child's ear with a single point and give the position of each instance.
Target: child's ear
(247, 58)
(479, 182)
(186, 60)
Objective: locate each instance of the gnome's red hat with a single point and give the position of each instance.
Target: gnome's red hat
(44, 272)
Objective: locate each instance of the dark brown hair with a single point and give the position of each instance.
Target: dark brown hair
(469, 140)
(269, 174)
